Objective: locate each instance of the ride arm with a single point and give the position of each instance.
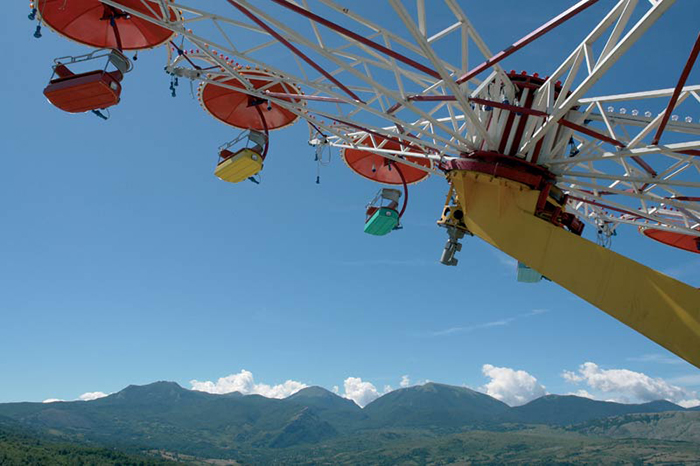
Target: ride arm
(502, 212)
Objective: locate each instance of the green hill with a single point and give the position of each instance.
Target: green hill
(434, 405)
(162, 415)
(676, 426)
(20, 448)
(411, 425)
(569, 409)
(304, 428)
(340, 412)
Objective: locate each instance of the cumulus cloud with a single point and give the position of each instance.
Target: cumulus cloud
(582, 393)
(405, 381)
(512, 387)
(629, 386)
(244, 383)
(361, 392)
(52, 400)
(89, 396)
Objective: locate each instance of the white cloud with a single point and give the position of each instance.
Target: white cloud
(689, 403)
(495, 323)
(657, 358)
(244, 383)
(629, 386)
(470, 328)
(512, 387)
(405, 382)
(686, 380)
(362, 393)
(52, 400)
(89, 396)
(582, 393)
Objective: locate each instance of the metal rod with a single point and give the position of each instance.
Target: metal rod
(294, 50)
(537, 33)
(346, 32)
(677, 91)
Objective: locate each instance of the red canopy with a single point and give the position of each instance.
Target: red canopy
(234, 107)
(380, 169)
(90, 22)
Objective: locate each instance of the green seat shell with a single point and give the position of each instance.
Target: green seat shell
(382, 221)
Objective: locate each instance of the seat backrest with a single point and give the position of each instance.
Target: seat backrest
(119, 61)
(391, 194)
(116, 75)
(62, 71)
(75, 76)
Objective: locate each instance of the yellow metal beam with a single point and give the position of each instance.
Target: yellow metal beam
(501, 212)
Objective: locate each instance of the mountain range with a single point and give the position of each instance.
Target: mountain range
(165, 416)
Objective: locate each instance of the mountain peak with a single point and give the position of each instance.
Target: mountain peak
(434, 404)
(312, 392)
(320, 398)
(160, 391)
(572, 409)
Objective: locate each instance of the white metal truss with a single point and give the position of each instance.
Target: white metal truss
(364, 84)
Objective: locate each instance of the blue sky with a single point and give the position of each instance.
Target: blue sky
(125, 261)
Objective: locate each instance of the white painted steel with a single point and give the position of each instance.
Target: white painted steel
(650, 182)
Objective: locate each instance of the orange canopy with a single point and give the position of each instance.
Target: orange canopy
(677, 240)
(236, 108)
(382, 170)
(90, 22)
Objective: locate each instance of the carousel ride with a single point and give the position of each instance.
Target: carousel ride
(530, 160)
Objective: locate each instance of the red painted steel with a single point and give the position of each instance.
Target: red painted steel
(677, 91)
(504, 166)
(235, 107)
(537, 33)
(589, 132)
(595, 134)
(520, 129)
(382, 170)
(605, 206)
(90, 22)
(506, 132)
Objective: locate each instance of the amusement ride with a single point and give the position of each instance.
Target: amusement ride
(529, 160)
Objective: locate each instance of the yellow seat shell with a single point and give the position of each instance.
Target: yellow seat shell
(239, 167)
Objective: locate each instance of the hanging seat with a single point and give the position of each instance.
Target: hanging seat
(381, 216)
(92, 90)
(243, 157)
(382, 220)
(239, 166)
(85, 92)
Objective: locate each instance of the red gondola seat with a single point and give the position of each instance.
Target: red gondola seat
(83, 92)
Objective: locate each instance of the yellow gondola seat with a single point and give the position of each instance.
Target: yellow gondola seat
(239, 166)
